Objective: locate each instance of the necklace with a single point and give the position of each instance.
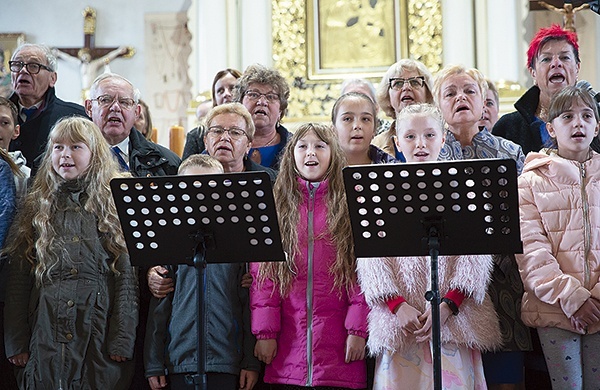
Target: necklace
(270, 141)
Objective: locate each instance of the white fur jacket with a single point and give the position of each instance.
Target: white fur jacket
(476, 325)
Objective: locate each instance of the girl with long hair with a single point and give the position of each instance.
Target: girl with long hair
(72, 303)
(308, 314)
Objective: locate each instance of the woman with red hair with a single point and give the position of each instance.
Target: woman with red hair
(553, 62)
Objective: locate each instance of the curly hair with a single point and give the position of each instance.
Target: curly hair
(260, 74)
(288, 196)
(404, 65)
(33, 237)
(552, 33)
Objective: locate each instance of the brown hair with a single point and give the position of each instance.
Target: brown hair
(260, 74)
(220, 74)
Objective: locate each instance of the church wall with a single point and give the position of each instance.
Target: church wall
(59, 23)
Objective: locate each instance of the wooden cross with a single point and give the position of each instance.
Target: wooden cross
(89, 36)
(90, 58)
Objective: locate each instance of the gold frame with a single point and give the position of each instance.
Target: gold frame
(9, 42)
(369, 61)
(312, 100)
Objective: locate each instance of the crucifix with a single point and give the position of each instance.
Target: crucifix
(568, 12)
(89, 57)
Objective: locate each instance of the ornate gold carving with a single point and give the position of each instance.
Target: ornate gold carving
(89, 21)
(311, 100)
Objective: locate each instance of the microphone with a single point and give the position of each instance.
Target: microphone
(588, 87)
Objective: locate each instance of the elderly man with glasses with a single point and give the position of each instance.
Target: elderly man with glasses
(114, 107)
(33, 74)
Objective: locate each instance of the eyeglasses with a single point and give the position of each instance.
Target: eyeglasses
(218, 131)
(414, 82)
(255, 95)
(32, 68)
(108, 100)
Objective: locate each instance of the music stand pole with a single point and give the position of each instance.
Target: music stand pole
(195, 217)
(386, 202)
(433, 296)
(199, 379)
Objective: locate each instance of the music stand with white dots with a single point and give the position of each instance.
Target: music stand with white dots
(195, 220)
(449, 208)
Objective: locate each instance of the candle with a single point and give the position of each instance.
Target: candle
(154, 135)
(176, 139)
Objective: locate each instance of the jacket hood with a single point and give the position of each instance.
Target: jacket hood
(559, 169)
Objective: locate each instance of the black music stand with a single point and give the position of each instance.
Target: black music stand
(194, 220)
(463, 207)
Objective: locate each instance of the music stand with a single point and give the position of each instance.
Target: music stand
(193, 220)
(463, 207)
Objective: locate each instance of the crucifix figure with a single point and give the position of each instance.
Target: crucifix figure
(568, 13)
(89, 57)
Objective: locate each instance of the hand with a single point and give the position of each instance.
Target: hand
(118, 358)
(588, 314)
(265, 350)
(424, 334)
(408, 319)
(247, 280)
(248, 379)
(19, 360)
(157, 382)
(355, 348)
(159, 286)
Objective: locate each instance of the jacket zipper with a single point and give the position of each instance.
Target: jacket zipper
(586, 227)
(309, 285)
(62, 365)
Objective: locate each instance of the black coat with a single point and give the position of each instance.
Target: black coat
(521, 126)
(149, 159)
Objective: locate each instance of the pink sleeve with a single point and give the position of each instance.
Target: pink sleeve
(356, 318)
(265, 307)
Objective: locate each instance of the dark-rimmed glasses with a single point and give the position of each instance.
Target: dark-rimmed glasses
(218, 131)
(32, 67)
(108, 100)
(255, 95)
(414, 82)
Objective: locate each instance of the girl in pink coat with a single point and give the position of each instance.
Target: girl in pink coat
(559, 199)
(308, 314)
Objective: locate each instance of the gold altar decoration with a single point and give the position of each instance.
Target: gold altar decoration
(311, 100)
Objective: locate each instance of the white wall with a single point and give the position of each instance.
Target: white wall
(59, 23)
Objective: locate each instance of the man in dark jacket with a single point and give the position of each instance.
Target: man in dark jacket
(113, 106)
(33, 73)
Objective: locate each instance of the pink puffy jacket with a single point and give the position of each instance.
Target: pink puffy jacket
(560, 228)
(312, 322)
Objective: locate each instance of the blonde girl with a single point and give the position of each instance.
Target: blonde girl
(71, 307)
(400, 319)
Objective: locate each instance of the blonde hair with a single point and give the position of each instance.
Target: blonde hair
(288, 197)
(404, 65)
(34, 238)
(452, 70)
(232, 108)
(421, 109)
(201, 161)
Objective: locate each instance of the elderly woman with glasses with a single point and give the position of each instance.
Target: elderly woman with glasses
(406, 82)
(228, 137)
(264, 92)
